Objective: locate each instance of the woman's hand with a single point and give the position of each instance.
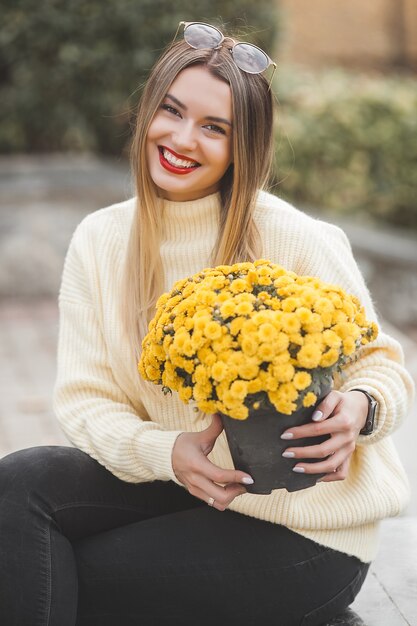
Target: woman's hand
(340, 415)
(202, 478)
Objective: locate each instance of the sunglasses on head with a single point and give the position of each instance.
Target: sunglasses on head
(248, 57)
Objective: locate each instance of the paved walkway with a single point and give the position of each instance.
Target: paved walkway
(28, 333)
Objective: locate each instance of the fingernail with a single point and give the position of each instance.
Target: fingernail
(247, 480)
(299, 470)
(317, 416)
(287, 436)
(288, 455)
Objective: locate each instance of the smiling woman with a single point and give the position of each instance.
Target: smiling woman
(116, 530)
(191, 134)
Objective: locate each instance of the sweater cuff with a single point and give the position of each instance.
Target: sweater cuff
(154, 451)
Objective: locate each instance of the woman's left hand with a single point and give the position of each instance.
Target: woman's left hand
(343, 415)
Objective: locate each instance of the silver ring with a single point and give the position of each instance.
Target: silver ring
(210, 501)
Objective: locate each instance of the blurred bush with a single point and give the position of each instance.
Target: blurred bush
(348, 143)
(67, 68)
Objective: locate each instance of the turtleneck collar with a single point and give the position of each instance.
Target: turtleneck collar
(179, 217)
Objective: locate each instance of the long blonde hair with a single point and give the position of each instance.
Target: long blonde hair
(238, 238)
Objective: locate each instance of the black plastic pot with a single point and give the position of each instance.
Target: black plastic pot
(256, 448)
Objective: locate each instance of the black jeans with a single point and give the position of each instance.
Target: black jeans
(80, 547)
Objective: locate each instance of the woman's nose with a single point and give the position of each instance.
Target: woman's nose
(184, 137)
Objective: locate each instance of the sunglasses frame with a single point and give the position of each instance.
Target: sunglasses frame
(236, 43)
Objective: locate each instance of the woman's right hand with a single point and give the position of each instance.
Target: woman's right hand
(202, 478)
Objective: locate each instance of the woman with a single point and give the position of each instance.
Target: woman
(117, 530)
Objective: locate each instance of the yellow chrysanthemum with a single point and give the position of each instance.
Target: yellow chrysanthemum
(282, 406)
(283, 281)
(308, 297)
(201, 320)
(152, 372)
(349, 309)
(224, 343)
(303, 314)
(219, 371)
(185, 393)
(264, 280)
(239, 285)
(316, 338)
(349, 346)
(239, 389)
(255, 385)
(202, 391)
(296, 338)
(198, 340)
(269, 381)
(236, 325)
(249, 327)
(206, 356)
(323, 305)
(331, 339)
(283, 372)
(338, 317)
(309, 356)
(208, 406)
(329, 358)
(181, 338)
(206, 297)
(244, 308)
(266, 352)
(222, 297)
(290, 323)
(267, 332)
(288, 392)
(162, 300)
(302, 380)
(213, 330)
(249, 345)
(227, 309)
(201, 374)
(290, 304)
(310, 399)
(239, 413)
(248, 369)
(314, 325)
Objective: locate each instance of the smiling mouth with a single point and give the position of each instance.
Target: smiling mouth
(176, 163)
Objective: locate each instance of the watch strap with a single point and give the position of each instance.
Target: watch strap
(370, 418)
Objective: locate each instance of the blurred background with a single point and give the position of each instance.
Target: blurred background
(70, 79)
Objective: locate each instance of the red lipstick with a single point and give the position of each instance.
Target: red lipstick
(173, 168)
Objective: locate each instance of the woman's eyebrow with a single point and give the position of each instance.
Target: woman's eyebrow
(221, 120)
(177, 102)
(211, 118)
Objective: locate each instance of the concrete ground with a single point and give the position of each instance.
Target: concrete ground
(28, 334)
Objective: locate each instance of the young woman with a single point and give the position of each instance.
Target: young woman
(116, 530)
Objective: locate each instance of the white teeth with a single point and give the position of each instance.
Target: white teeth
(177, 162)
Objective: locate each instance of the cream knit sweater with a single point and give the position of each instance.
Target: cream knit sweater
(107, 411)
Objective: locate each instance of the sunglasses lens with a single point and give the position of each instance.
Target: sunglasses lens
(250, 58)
(201, 36)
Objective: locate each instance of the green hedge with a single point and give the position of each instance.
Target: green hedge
(67, 68)
(348, 143)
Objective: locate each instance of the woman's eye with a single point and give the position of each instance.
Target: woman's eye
(215, 129)
(170, 109)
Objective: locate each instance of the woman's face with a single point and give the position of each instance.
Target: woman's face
(189, 142)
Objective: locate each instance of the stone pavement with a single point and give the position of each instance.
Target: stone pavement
(28, 333)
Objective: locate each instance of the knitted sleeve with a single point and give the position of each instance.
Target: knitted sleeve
(92, 408)
(380, 367)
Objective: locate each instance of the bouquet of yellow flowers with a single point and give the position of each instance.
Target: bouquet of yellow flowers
(248, 336)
